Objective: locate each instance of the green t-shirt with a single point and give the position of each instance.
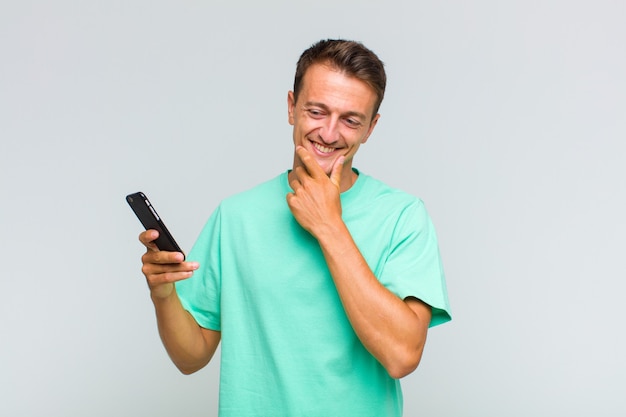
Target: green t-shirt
(287, 346)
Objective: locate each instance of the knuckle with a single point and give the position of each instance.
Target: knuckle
(146, 269)
(147, 258)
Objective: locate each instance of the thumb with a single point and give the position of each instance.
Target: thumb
(335, 175)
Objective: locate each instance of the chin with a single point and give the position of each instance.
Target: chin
(327, 166)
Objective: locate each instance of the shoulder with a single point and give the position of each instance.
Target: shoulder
(257, 203)
(375, 192)
(267, 192)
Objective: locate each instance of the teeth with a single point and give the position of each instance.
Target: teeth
(323, 149)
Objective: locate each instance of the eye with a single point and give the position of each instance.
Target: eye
(352, 122)
(315, 113)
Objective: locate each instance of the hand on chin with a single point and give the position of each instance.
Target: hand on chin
(326, 163)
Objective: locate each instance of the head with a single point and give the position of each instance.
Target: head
(333, 109)
(348, 57)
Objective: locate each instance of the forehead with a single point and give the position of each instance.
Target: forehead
(325, 84)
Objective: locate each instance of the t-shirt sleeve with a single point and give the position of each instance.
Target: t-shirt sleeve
(414, 267)
(200, 294)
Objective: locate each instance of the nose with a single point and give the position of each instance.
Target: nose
(329, 132)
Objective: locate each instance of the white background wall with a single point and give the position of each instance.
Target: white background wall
(507, 118)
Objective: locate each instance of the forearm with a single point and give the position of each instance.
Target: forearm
(189, 346)
(388, 327)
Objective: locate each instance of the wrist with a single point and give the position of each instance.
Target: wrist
(163, 293)
(331, 231)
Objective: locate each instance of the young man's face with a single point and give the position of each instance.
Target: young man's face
(332, 117)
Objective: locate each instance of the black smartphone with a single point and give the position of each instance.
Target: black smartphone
(149, 218)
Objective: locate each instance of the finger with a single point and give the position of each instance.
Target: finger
(148, 237)
(335, 175)
(157, 278)
(300, 179)
(157, 269)
(311, 165)
(295, 185)
(300, 176)
(162, 257)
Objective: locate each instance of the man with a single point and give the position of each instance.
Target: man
(320, 284)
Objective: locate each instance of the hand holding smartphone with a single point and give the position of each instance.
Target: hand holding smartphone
(149, 218)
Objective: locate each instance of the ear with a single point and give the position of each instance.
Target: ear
(291, 104)
(371, 128)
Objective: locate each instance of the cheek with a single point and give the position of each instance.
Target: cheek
(308, 127)
(354, 139)
(352, 150)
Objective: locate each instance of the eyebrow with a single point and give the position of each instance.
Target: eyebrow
(356, 114)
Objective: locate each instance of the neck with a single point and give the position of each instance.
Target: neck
(348, 178)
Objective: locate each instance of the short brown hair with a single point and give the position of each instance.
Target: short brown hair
(350, 57)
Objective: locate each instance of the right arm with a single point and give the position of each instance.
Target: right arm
(189, 346)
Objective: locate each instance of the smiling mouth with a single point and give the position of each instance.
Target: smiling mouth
(322, 149)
